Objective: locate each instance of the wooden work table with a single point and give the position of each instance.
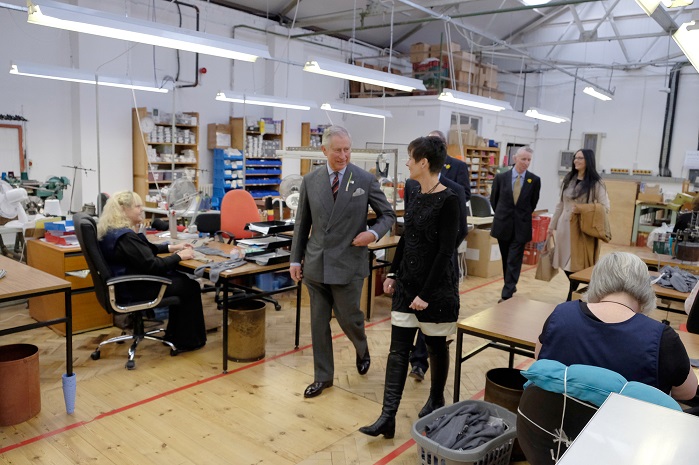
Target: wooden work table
(514, 326)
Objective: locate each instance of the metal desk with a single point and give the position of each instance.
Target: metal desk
(248, 270)
(22, 282)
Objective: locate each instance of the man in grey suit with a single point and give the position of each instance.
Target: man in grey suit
(330, 246)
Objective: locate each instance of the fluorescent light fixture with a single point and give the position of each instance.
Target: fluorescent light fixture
(75, 75)
(649, 6)
(365, 75)
(535, 2)
(79, 19)
(462, 98)
(687, 37)
(356, 110)
(545, 115)
(265, 100)
(597, 93)
(676, 3)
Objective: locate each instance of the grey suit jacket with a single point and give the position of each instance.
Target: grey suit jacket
(324, 229)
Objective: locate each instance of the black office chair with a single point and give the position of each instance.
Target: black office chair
(480, 206)
(133, 294)
(208, 223)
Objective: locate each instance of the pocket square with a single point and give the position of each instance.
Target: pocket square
(358, 192)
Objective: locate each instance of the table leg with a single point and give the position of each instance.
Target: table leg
(369, 289)
(298, 314)
(511, 359)
(457, 368)
(69, 333)
(225, 326)
(572, 287)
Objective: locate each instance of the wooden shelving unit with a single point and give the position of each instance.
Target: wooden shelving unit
(263, 168)
(172, 157)
(309, 139)
(483, 162)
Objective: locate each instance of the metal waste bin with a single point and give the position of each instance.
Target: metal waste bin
(504, 387)
(246, 331)
(20, 397)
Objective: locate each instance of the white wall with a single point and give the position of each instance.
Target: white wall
(62, 127)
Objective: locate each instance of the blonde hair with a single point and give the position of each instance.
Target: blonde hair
(622, 272)
(113, 215)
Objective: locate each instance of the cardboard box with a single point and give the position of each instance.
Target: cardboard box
(369, 87)
(437, 50)
(419, 51)
(488, 76)
(578, 295)
(464, 61)
(482, 254)
(651, 194)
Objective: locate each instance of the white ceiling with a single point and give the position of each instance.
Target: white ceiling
(562, 34)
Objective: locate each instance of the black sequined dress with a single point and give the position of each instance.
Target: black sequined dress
(423, 257)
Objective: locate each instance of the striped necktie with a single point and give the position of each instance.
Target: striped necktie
(336, 184)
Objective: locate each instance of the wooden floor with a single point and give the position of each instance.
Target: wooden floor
(183, 410)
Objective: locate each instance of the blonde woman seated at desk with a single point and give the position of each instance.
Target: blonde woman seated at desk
(128, 252)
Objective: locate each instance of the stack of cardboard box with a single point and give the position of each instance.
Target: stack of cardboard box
(431, 63)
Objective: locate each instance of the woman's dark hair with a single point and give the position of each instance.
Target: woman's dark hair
(431, 148)
(590, 178)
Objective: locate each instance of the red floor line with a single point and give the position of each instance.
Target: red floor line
(167, 393)
(196, 383)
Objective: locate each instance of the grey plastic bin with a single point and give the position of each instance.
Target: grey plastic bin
(494, 452)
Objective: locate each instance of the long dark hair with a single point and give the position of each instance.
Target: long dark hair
(590, 178)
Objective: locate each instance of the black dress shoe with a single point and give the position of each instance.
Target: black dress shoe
(386, 425)
(316, 388)
(363, 363)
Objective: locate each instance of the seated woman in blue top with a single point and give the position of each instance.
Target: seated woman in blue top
(128, 252)
(609, 331)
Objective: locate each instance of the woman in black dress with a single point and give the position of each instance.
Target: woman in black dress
(423, 282)
(127, 253)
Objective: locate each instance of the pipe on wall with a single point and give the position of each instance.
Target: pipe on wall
(669, 121)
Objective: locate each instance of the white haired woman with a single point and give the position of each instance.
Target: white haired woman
(128, 252)
(609, 331)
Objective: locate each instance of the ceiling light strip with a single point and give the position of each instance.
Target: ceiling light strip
(75, 75)
(265, 100)
(471, 100)
(356, 110)
(597, 93)
(543, 115)
(361, 74)
(79, 19)
(687, 38)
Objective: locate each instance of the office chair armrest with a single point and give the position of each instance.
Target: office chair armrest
(138, 277)
(219, 234)
(132, 302)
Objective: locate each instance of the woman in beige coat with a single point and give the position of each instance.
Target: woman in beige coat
(583, 185)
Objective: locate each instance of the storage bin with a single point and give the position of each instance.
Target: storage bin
(246, 331)
(495, 452)
(20, 397)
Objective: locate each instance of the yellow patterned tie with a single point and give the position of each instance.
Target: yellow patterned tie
(518, 187)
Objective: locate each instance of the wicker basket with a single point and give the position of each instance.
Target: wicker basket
(494, 452)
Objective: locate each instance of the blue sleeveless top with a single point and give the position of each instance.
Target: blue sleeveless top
(631, 347)
(108, 247)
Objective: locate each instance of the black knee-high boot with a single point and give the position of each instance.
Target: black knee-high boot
(439, 363)
(396, 374)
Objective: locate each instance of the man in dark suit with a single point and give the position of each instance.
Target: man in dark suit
(330, 243)
(455, 174)
(455, 169)
(514, 197)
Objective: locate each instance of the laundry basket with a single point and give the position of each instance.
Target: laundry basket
(495, 452)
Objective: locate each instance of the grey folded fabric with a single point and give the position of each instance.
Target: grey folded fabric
(675, 278)
(211, 251)
(216, 268)
(465, 428)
